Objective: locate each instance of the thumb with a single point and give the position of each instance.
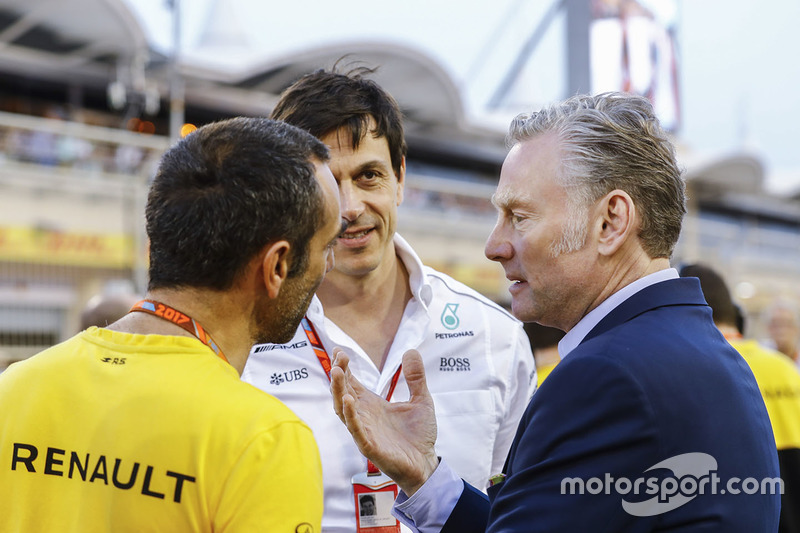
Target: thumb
(414, 372)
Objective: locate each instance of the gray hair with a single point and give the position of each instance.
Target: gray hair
(612, 141)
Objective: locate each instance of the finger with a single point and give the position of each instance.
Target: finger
(340, 375)
(340, 358)
(337, 390)
(352, 420)
(414, 372)
(352, 385)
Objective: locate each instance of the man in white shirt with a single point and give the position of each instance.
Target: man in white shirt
(590, 202)
(380, 300)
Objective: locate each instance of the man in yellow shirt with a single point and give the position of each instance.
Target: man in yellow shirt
(145, 425)
(778, 380)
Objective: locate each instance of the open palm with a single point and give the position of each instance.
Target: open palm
(398, 437)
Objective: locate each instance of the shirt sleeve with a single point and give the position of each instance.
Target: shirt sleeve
(428, 509)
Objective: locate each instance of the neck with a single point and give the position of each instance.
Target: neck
(376, 290)
(790, 349)
(221, 317)
(623, 273)
(368, 308)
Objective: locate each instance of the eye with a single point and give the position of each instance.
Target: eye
(516, 219)
(369, 175)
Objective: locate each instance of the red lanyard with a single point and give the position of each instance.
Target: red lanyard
(325, 361)
(166, 312)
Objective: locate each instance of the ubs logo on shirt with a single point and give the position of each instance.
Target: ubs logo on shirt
(288, 376)
(454, 364)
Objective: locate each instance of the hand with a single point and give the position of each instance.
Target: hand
(398, 437)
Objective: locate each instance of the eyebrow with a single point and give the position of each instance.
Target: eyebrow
(507, 200)
(371, 164)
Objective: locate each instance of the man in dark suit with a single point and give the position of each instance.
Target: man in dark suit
(651, 422)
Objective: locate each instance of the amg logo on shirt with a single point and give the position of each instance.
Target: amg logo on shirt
(457, 364)
(95, 469)
(270, 347)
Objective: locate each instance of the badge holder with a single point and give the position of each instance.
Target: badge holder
(374, 494)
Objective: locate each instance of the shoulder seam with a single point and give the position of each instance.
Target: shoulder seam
(476, 296)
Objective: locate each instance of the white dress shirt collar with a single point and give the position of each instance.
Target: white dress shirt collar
(574, 336)
(417, 281)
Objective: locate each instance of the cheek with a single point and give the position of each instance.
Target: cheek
(330, 261)
(534, 250)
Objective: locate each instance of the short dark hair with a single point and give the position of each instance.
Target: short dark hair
(715, 291)
(223, 193)
(325, 101)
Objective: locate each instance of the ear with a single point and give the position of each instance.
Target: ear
(617, 221)
(275, 266)
(401, 180)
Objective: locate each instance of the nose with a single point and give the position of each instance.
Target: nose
(351, 202)
(498, 248)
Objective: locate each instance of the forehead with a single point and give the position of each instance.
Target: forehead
(340, 143)
(530, 173)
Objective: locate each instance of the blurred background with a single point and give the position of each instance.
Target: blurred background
(93, 91)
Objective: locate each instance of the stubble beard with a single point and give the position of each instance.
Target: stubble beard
(275, 322)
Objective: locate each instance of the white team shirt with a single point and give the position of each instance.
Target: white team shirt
(478, 366)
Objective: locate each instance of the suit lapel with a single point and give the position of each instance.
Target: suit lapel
(682, 291)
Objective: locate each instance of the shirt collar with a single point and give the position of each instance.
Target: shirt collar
(417, 281)
(574, 336)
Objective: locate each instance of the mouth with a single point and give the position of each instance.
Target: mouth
(354, 239)
(516, 284)
(354, 235)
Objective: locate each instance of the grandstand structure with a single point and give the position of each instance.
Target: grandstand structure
(85, 113)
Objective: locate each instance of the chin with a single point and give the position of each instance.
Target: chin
(280, 335)
(522, 313)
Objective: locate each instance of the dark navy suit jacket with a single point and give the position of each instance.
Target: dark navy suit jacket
(653, 380)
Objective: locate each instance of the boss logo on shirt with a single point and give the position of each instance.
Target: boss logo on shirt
(288, 376)
(454, 364)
